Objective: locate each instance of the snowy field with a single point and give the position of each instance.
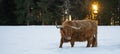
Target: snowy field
(46, 39)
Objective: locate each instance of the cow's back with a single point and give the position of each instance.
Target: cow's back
(84, 23)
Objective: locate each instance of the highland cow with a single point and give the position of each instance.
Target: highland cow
(79, 30)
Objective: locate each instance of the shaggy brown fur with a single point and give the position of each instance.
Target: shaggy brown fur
(79, 30)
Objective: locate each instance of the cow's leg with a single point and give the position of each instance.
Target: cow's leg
(94, 43)
(89, 42)
(61, 43)
(72, 43)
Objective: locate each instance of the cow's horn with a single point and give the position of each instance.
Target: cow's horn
(75, 27)
(58, 27)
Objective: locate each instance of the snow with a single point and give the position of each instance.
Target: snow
(46, 39)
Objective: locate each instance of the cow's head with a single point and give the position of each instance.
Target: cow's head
(68, 29)
(66, 32)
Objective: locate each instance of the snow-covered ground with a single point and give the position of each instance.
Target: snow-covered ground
(45, 40)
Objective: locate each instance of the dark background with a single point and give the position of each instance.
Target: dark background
(47, 12)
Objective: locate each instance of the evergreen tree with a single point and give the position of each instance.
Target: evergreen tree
(79, 8)
(23, 11)
(50, 11)
(7, 15)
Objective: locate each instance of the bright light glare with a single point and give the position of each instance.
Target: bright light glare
(95, 11)
(95, 7)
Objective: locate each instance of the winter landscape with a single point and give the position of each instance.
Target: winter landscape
(46, 39)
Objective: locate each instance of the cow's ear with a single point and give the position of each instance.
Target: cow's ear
(62, 30)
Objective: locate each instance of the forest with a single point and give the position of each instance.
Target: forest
(49, 12)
